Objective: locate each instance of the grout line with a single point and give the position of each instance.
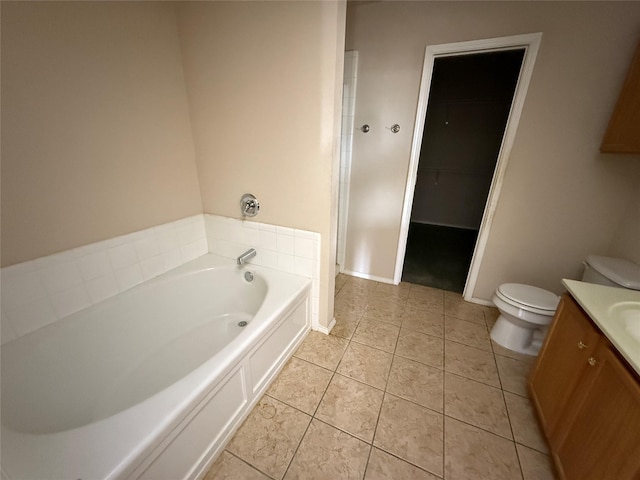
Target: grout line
(470, 346)
(245, 462)
(444, 406)
(422, 469)
(295, 452)
(519, 460)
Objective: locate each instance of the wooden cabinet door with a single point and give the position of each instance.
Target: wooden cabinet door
(623, 132)
(601, 440)
(570, 342)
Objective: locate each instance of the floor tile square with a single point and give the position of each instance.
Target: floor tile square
(491, 315)
(382, 297)
(269, 436)
(346, 324)
(384, 310)
(466, 332)
(505, 352)
(426, 298)
(397, 293)
(535, 465)
(477, 404)
(383, 466)
(341, 280)
(228, 467)
(348, 303)
(376, 334)
(423, 321)
(358, 286)
(411, 432)
(323, 350)
(513, 374)
(351, 406)
(416, 382)
(471, 363)
(327, 453)
(286, 386)
(366, 364)
(455, 306)
(422, 348)
(523, 422)
(471, 454)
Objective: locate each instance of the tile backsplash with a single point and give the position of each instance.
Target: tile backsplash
(41, 291)
(282, 248)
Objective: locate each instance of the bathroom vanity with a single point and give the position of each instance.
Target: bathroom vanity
(585, 385)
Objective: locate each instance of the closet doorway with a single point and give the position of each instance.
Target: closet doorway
(468, 106)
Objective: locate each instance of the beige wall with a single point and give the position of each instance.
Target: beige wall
(561, 199)
(96, 138)
(626, 241)
(101, 130)
(264, 82)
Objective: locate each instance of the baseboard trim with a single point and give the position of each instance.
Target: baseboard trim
(367, 276)
(325, 330)
(479, 301)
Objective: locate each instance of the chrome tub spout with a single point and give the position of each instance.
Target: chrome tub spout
(244, 258)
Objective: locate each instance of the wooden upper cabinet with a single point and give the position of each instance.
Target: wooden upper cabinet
(623, 133)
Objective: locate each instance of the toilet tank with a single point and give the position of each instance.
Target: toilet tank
(610, 271)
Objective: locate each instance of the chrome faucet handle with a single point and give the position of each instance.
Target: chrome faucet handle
(249, 205)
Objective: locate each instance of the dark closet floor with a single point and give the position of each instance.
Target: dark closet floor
(438, 256)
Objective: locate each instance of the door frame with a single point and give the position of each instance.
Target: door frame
(530, 43)
(350, 81)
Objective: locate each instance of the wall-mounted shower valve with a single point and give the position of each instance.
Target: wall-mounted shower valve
(249, 205)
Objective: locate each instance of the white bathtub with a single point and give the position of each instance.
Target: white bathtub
(150, 383)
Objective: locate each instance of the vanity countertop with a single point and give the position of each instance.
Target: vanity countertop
(616, 311)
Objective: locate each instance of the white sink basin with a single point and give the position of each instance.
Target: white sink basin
(627, 316)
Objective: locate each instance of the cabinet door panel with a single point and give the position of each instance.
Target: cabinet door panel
(570, 342)
(602, 440)
(623, 133)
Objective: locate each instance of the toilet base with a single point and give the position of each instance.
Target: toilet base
(518, 338)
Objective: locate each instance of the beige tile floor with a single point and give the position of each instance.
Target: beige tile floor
(407, 386)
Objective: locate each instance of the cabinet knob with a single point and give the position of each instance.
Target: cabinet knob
(592, 361)
(582, 345)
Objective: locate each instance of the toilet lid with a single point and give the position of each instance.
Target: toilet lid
(620, 271)
(530, 296)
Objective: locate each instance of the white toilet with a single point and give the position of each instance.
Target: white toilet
(614, 272)
(526, 311)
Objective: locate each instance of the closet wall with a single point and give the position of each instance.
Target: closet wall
(469, 102)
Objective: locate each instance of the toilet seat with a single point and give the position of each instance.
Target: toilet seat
(527, 297)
